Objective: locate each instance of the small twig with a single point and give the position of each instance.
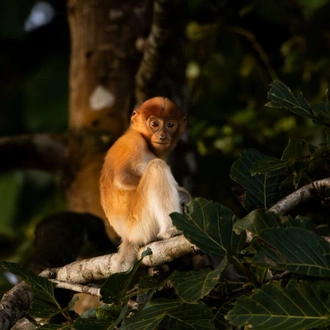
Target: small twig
(77, 288)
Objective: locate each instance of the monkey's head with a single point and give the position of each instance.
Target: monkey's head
(161, 122)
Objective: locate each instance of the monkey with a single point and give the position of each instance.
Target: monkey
(137, 188)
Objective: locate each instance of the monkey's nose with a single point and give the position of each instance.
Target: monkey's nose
(162, 137)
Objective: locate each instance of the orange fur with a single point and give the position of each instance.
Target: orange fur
(138, 190)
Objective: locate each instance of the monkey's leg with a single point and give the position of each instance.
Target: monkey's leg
(157, 196)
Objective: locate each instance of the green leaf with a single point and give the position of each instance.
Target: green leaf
(262, 189)
(294, 249)
(281, 96)
(209, 226)
(40, 308)
(41, 287)
(257, 221)
(323, 112)
(296, 306)
(189, 316)
(114, 289)
(269, 164)
(298, 149)
(194, 285)
(170, 314)
(104, 317)
(219, 320)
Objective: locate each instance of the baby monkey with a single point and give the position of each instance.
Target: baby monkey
(138, 190)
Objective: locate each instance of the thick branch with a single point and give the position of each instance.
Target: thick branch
(38, 151)
(301, 195)
(97, 268)
(13, 305)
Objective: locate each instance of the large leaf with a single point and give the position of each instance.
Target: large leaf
(296, 306)
(209, 225)
(41, 287)
(257, 221)
(114, 289)
(294, 249)
(194, 285)
(170, 314)
(281, 96)
(262, 189)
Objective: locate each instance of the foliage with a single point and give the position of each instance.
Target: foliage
(276, 280)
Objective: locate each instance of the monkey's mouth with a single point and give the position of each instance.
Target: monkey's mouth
(162, 143)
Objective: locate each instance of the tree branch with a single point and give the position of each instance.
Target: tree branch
(98, 268)
(16, 301)
(301, 195)
(36, 151)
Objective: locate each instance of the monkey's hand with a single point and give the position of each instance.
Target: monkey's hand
(184, 196)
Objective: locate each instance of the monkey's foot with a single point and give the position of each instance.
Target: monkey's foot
(172, 231)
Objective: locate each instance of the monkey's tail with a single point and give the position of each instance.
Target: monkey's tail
(127, 255)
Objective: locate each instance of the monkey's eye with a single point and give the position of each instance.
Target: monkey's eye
(170, 125)
(154, 124)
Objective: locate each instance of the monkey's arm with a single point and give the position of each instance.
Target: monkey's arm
(129, 158)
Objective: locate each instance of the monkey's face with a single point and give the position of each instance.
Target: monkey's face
(162, 132)
(161, 122)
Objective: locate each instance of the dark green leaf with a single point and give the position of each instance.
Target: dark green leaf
(257, 221)
(41, 287)
(194, 285)
(294, 249)
(190, 317)
(209, 226)
(280, 96)
(170, 314)
(302, 222)
(104, 317)
(323, 112)
(262, 189)
(40, 308)
(114, 289)
(298, 149)
(269, 164)
(219, 320)
(297, 306)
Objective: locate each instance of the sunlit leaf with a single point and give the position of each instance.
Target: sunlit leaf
(261, 189)
(194, 285)
(296, 306)
(294, 249)
(209, 225)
